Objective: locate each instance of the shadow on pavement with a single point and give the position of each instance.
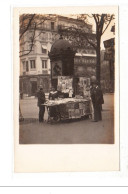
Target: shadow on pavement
(28, 120)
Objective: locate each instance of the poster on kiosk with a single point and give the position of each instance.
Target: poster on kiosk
(65, 84)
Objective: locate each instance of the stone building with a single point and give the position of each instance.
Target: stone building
(110, 57)
(35, 68)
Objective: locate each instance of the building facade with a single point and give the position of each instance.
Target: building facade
(35, 68)
(110, 57)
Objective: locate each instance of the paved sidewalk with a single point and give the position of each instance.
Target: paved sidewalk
(76, 132)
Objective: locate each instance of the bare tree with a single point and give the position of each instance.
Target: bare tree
(82, 35)
(31, 23)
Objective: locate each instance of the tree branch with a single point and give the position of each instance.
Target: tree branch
(107, 24)
(28, 25)
(94, 15)
(101, 23)
(32, 44)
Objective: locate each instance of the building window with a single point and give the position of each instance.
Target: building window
(44, 64)
(24, 66)
(52, 26)
(32, 64)
(44, 49)
(50, 36)
(27, 68)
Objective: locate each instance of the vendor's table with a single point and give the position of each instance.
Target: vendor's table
(68, 108)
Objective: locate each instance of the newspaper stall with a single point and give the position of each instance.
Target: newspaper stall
(67, 105)
(73, 99)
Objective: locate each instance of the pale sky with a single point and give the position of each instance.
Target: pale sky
(107, 34)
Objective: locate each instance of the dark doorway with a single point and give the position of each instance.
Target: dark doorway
(33, 88)
(45, 84)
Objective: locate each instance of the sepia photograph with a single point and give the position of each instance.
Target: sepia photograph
(66, 89)
(63, 95)
(67, 78)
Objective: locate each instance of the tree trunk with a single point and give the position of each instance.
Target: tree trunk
(98, 60)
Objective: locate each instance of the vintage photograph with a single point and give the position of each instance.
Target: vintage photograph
(67, 78)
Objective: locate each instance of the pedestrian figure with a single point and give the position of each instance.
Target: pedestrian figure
(21, 118)
(97, 101)
(41, 101)
(53, 111)
(53, 94)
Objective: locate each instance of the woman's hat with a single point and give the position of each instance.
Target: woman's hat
(40, 87)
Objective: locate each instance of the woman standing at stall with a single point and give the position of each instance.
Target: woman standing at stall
(53, 94)
(53, 110)
(41, 101)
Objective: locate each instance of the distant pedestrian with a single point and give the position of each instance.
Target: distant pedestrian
(21, 95)
(41, 101)
(21, 118)
(97, 101)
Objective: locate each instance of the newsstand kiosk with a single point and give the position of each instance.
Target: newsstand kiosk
(67, 105)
